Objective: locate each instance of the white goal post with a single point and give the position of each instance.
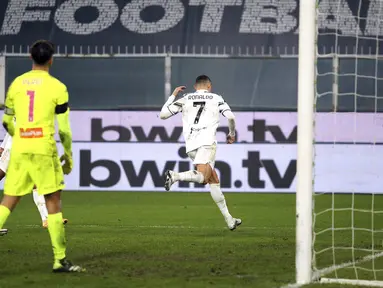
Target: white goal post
(306, 95)
(339, 234)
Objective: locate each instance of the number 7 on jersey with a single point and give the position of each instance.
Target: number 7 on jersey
(31, 95)
(201, 106)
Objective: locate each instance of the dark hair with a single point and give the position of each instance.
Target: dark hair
(202, 79)
(42, 51)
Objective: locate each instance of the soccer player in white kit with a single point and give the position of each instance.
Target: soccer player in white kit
(200, 117)
(5, 152)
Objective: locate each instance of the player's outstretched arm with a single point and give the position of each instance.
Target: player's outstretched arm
(171, 108)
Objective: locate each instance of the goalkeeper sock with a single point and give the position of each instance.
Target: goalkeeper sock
(189, 176)
(219, 199)
(40, 203)
(57, 234)
(4, 214)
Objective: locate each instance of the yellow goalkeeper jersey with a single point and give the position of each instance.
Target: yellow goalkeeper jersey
(34, 99)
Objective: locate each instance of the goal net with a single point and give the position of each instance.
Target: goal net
(347, 238)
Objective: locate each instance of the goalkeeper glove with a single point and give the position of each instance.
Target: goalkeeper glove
(68, 163)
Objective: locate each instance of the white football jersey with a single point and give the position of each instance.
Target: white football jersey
(200, 117)
(7, 142)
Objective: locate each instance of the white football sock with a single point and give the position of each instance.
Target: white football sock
(219, 199)
(40, 203)
(189, 176)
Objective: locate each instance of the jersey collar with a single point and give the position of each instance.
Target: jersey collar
(202, 90)
(39, 71)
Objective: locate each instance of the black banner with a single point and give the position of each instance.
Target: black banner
(200, 26)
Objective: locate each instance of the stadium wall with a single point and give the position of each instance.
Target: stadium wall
(245, 83)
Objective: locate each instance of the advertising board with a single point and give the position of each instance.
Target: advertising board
(252, 127)
(242, 167)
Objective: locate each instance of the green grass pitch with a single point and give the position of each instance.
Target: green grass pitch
(168, 240)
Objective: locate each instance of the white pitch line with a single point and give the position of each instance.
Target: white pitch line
(163, 227)
(317, 275)
(331, 269)
(292, 286)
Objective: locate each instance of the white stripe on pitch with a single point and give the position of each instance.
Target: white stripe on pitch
(331, 269)
(163, 227)
(292, 286)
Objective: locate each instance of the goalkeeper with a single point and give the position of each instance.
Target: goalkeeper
(34, 98)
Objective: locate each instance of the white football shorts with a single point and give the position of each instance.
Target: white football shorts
(204, 155)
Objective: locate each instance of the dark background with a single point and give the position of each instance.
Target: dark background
(245, 83)
(257, 75)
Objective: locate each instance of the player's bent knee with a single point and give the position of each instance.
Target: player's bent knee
(53, 202)
(214, 177)
(206, 171)
(53, 196)
(205, 179)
